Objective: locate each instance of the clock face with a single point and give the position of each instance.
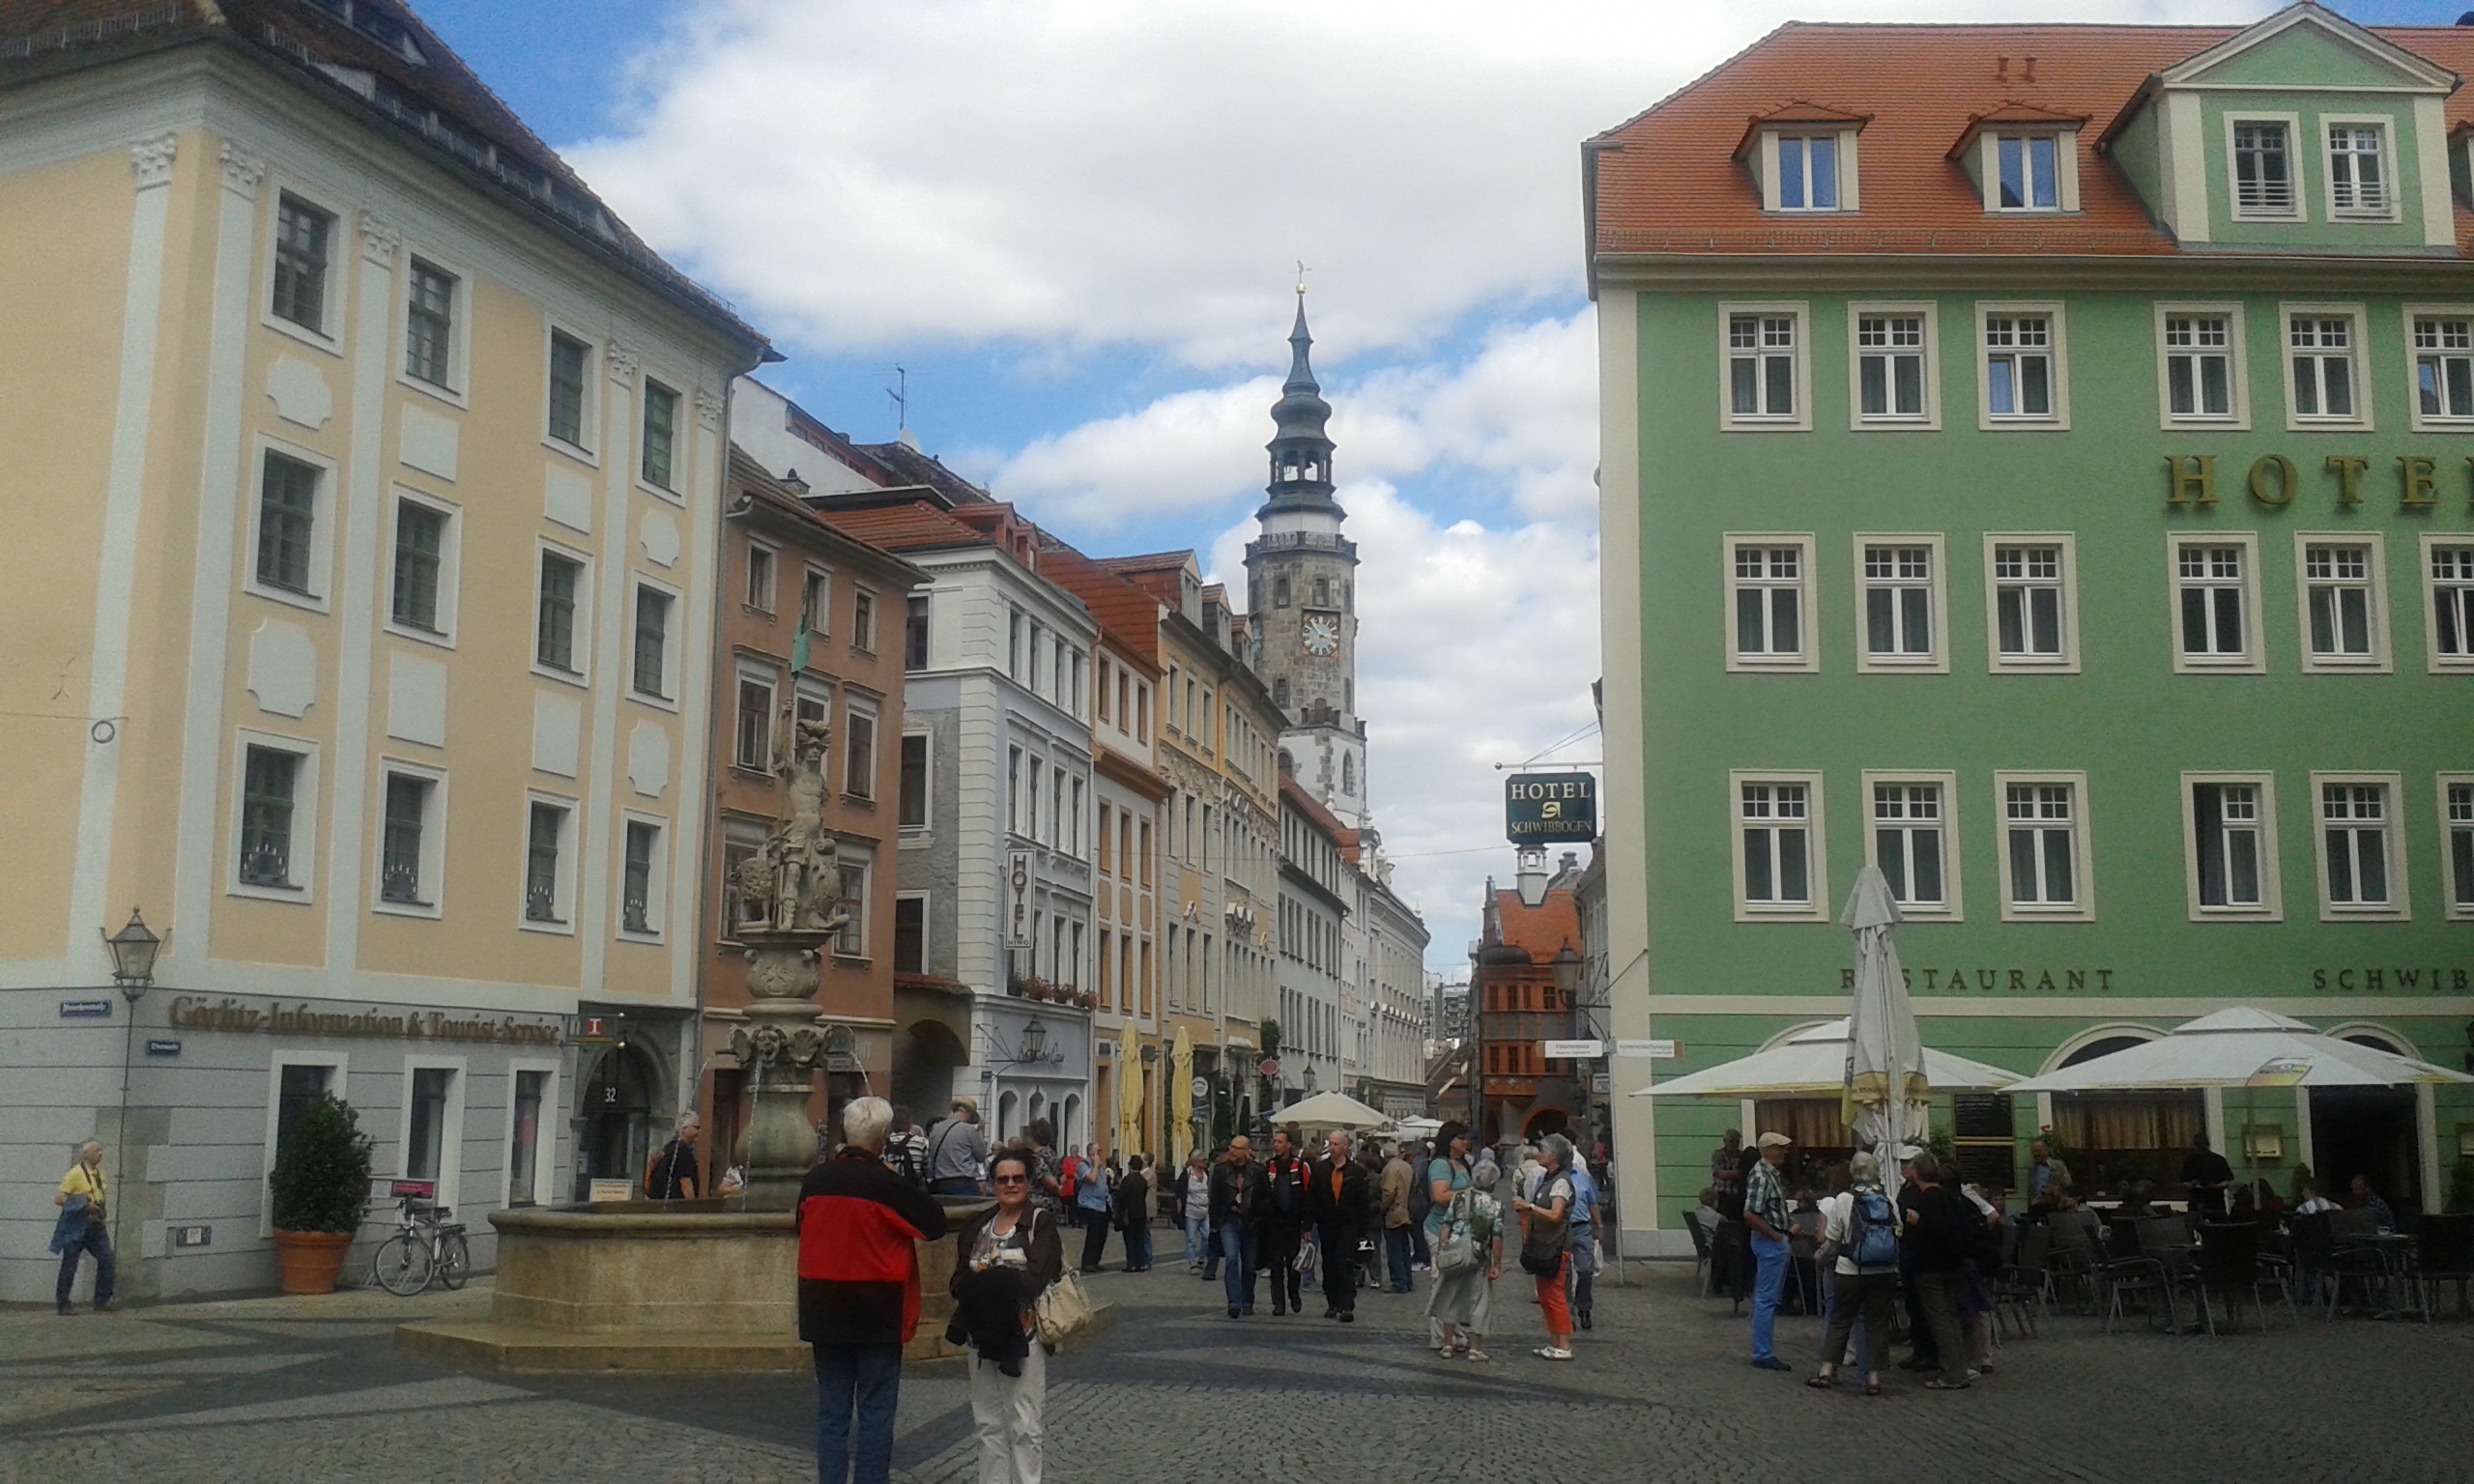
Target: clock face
(1322, 634)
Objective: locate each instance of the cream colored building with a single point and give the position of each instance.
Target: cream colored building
(355, 620)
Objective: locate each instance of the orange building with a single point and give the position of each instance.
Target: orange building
(811, 629)
(1516, 1006)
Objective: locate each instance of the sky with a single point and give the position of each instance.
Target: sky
(1077, 225)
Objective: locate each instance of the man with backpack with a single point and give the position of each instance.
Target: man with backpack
(1860, 1229)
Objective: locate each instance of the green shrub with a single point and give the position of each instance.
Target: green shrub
(321, 1178)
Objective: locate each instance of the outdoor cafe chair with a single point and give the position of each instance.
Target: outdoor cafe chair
(2228, 1263)
(2445, 1254)
(2357, 1254)
(1703, 1261)
(2022, 1280)
(2167, 1240)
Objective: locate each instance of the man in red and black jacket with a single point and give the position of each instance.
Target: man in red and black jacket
(858, 1223)
(1284, 1178)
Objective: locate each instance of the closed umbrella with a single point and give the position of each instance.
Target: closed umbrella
(1887, 1095)
(1181, 1098)
(1128, 1092)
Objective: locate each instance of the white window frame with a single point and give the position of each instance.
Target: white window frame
(449, 566)
(2270, 907)
(1801, 420)
(2297, 159)
(772, 556)
(853, 707)
(927, 911)
(2058, 353)
(301, 856)
(2253, 660)
(2427, 587)
(545, 1151)
(322, 526)
(459, 329)
(682, 431)
(450, 1135)
(2081, 856)
(863, 638)
(1952, 908)
(2450, 907)
(1772, 197)
(2421, 421)
(2381, 660)
(824, 597)
(672, 637)
(433, 861)
(2066, 663)
(2393, 182)
(571, 864)
(1929, 354)
(580, 642)
(1936, 659)
(1816, 851)
(847, 853)
(2065, 168)
(338, 1065)
(751, 671)
(737, 830)
(2238, 366)
(590, 417)
(341, 256)
(657, 880)
(2399, 907)
(2359, 335)
(926, 825)
(1807, 659)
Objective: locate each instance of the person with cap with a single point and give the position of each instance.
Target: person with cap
(957, 1152)
(1764, 1211)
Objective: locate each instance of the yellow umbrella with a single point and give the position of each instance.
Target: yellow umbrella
(1181, 1098)
(1128, 1092)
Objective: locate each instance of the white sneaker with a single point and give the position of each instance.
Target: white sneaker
(1550, 1353)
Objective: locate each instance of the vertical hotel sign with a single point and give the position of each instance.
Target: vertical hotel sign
(1550, 809)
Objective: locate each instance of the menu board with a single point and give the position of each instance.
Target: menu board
(1981, 1115)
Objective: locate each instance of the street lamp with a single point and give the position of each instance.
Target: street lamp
(1566, 965)
(1034, 1041)
(133, 951)
(1309, 1080)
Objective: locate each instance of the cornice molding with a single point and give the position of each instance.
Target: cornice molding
(1800, 274)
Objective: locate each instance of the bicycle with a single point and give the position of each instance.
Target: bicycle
(426, 1249)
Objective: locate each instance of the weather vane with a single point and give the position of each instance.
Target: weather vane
(902, 396)
(1302, 271)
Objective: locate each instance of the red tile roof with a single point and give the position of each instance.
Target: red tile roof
(1670, 180)
(1541, 930)
(1129, 617)
(912, 527)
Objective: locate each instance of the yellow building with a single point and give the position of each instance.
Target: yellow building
(355, 622)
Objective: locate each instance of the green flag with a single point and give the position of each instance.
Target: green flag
(799, 650)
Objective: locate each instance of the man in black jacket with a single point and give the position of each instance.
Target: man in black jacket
(1285, 1177)
(1236, 1205)
(1340, 1203)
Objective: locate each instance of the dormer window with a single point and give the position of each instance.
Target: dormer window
(2263, 171)
(1807, 172)
(2358, 174)
(2026, 176)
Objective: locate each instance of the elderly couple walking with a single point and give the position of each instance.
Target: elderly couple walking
(858, 1226)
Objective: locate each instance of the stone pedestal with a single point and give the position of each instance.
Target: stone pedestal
(783, 1044)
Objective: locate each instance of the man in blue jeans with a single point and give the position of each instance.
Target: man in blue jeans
(858, 1223)
(1236, 1205)
(1764, 1211)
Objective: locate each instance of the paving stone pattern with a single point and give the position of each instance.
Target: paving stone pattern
(273, 1391)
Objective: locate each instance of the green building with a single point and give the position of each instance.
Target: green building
(2039, 460)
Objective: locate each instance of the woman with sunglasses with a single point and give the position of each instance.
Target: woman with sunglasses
(1009, 1256)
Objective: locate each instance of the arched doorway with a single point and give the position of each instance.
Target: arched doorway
(1008, 1110)
(2369, 1131)
(1541, 1122)
(616, 1108)
(925, 1054)
(1068, 1127)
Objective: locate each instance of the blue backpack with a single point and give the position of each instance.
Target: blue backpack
(1872, 1232)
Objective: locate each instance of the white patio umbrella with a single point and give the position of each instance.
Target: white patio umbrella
(1887, 1095)
(2240, 1047)
(1330, 1110)
(1812, 1063)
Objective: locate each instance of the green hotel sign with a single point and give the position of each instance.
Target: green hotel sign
(1550, 809)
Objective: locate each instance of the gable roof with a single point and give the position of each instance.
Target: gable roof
(1669, 180)
(375, 59)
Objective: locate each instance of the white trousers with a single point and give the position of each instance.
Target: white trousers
(1006, 1415)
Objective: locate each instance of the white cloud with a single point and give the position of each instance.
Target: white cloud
(865, 174)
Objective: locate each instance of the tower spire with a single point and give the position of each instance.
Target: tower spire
(1300, 461)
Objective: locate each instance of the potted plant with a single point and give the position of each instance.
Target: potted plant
(321, 1183)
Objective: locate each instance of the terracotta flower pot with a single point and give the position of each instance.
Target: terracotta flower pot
(311, 1261)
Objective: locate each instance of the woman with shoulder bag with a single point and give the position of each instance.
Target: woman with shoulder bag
(1008, 1258)
(1468, 1258)
(1545, 1238)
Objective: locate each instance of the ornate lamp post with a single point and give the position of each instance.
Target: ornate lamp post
(134, 950)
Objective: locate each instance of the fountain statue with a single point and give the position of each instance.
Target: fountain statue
(788, 894)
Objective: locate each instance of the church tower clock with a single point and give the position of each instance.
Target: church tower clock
(1301, 586)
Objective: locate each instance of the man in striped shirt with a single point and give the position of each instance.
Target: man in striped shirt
(1765, 1211)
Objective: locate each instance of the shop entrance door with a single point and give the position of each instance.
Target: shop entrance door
(2366, 1131)
(617, 1112)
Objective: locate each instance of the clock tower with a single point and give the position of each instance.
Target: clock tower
(1301, 588)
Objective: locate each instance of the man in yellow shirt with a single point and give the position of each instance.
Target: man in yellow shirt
(75, 1236)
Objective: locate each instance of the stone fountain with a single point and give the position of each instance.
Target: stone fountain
(788, 893)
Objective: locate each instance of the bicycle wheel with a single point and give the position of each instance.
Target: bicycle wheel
(454, 1259)
(402, 1265)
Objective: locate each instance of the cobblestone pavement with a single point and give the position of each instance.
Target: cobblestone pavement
(274, 1390)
